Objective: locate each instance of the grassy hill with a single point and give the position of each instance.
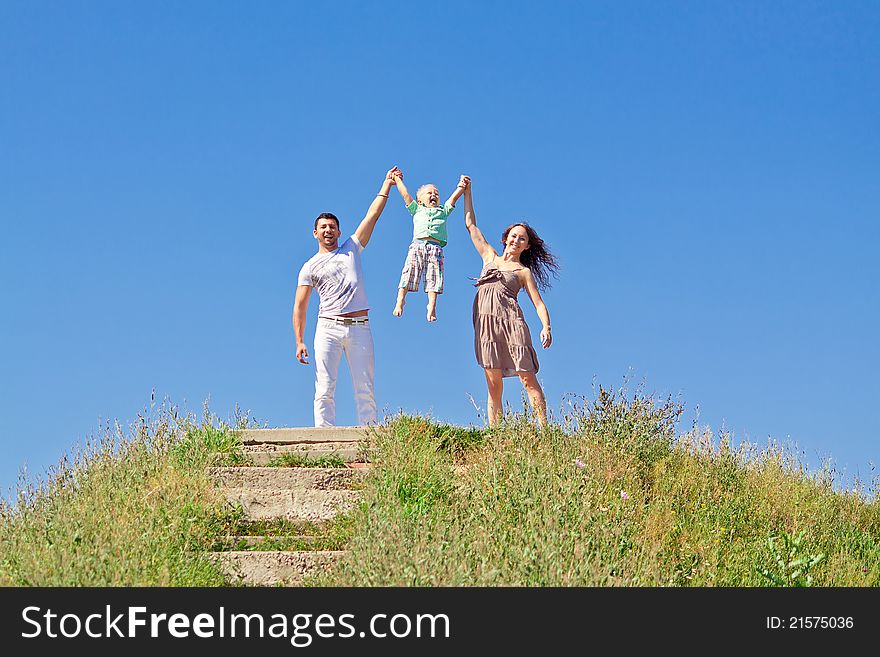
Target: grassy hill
(610, 495)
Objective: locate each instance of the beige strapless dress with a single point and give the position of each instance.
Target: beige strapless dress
(501, 336)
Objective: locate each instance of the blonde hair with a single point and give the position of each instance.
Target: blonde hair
(424, 187)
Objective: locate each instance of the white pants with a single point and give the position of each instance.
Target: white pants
(356, 341)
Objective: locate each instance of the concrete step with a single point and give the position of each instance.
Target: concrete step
(296, 504)
(275, 568)
(280, 527)
(287, 478)
(239, 543)
(290, 493)
(303, 435)
(263, 455)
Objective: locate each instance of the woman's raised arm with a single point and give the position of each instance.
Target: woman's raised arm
(470, 222)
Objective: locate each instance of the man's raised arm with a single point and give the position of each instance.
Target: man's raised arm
(365, 230)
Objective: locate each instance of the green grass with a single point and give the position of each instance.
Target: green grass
(293, 460)
(648, 508)
(284, 534)
(609, 495)
(132, 508)
(276, 527)
(135, 507)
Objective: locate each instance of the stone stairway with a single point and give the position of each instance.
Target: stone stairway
(267, 491)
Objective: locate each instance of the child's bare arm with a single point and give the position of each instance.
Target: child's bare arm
(459, 190)
(398, 181)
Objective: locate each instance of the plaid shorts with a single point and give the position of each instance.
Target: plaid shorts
(424, 261)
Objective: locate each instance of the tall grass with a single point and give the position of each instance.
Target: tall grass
(610, 496)
(132, 508)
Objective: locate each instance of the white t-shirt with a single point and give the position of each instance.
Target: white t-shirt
(338, 278)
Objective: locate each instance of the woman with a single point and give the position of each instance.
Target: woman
(502, 341)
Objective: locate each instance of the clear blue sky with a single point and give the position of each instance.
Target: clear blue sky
(707, 173)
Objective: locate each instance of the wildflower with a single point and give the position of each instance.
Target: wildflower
(624, 495)
(579, 463)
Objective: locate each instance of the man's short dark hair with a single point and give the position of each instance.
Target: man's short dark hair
(327, 215)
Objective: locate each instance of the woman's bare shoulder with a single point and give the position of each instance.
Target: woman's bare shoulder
(525, 276)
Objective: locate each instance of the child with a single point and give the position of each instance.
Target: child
(424, 260)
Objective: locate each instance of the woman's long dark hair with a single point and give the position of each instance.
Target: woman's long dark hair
(537, 257)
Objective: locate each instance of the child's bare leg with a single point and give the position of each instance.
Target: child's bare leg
(432, 306)
(401, 301)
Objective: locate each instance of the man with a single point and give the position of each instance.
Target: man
(343, 326)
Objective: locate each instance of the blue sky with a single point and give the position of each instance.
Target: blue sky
(706, 172)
